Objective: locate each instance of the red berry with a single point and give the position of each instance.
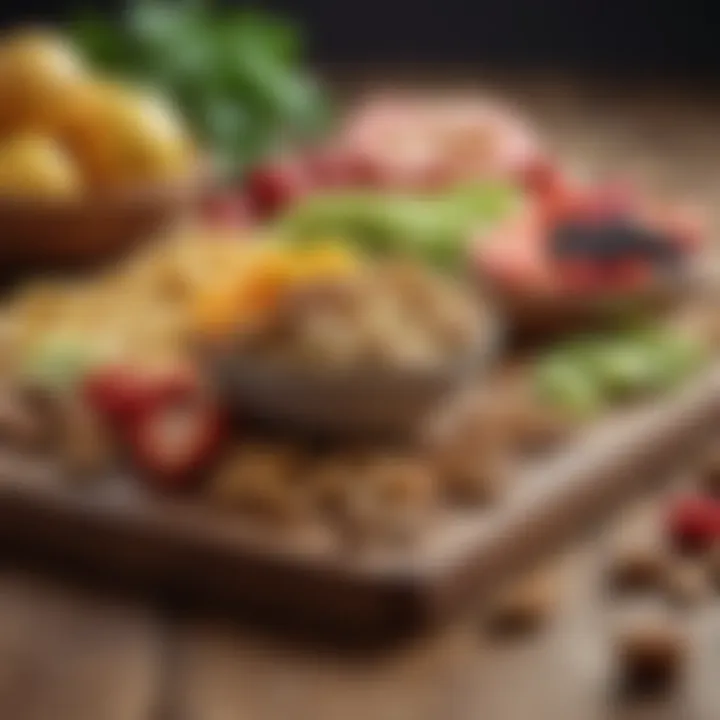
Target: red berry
(274, 186)
(173, 443)
(123, 393)
(115, 392)
(694, 522)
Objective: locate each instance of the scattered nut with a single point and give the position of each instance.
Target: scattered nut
(650, 647)
(686, 583)
(638, 557)
(474, 476)
(525, 604)
(260, 479)
(392, 498)
(329, 480)
(470, 458)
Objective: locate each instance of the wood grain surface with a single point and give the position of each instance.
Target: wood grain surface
(71, 653)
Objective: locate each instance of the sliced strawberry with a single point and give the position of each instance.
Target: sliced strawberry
(115, 392)
(121, 393)
(173, 443)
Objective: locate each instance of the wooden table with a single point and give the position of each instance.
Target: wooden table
(72, 653)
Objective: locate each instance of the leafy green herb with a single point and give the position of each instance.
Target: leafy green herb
(236, 75)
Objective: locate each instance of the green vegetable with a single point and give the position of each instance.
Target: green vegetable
(626, 368)
(59, 360)
(56, 362)
(618, 367)
(565, 384)
(675, 357)
(435, 229)
(236, 75)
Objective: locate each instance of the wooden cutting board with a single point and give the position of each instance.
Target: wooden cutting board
(114, 531)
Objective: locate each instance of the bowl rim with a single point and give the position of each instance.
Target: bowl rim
(484, 351)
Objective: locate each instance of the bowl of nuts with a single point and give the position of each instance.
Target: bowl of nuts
(372, 353)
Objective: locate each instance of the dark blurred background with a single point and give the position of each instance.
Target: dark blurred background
(634, 36)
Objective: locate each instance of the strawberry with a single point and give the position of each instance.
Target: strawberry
(172, 443)
(120, 393)
(693, 522)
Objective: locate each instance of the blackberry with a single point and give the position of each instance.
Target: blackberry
(613, 240)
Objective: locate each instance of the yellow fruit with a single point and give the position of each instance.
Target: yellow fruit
(37, 72)
(325, 261)
(259, 283)
(123, 136)
(34, 165)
